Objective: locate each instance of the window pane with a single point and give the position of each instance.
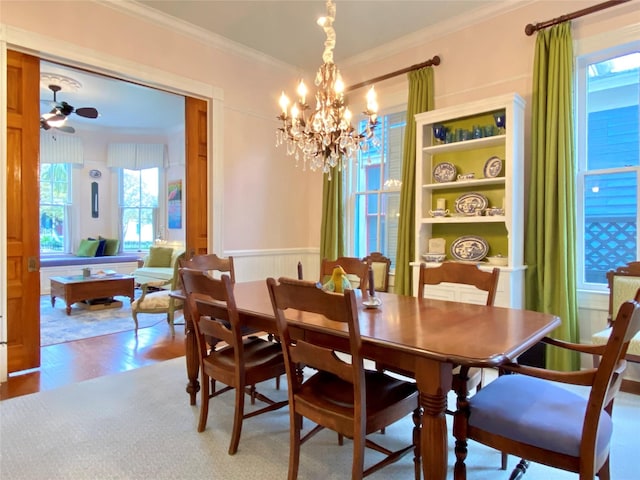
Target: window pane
(611, 230)
(608, 157)
(55, 194)
(139, 199)
(377, 181)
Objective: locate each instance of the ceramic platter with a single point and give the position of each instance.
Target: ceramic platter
(492, 167)
(445, 172)
(469, 248)
(468, 203)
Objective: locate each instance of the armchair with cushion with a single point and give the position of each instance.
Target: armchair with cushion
(158, 265)
(623, 283)
(156, 297)
(531, 414)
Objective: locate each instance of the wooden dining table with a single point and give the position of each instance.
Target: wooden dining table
(424, 336)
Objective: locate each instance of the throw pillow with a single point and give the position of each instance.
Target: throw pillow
(159, 257)
(111, 246)
(87, 248)
(101, 246)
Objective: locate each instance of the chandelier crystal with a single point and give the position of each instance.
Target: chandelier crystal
(325, 136)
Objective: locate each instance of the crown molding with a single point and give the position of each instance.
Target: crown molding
(148, 14)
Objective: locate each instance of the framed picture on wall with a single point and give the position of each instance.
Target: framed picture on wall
(175, 204)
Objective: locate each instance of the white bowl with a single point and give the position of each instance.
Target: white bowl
(498, 260)
(434, 257)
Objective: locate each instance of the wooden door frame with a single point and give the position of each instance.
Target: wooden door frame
(57, 51)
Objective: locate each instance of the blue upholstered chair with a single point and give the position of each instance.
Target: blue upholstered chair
(529, 414)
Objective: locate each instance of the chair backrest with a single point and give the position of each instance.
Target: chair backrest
(460, 273)
(211, 263)
(623, 282)
(212, 307)
(175, 280)
(381, 266)
(608, 378)
(290, 294)
(356, 270)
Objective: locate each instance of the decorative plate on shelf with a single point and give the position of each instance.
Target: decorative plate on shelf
(445, 172)
(492, 167)
(468, 203)
(469, 248)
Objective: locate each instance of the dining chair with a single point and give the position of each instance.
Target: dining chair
(241, 363)
(212, 263)
(462, 274)
(531, 414)
(341, 395)
(381, 267)
(623, 282)
(356, 269)
(156, 298)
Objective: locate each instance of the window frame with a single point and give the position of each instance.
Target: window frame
(156, 211)
(582, 62)
(351, 191)
(66, 246)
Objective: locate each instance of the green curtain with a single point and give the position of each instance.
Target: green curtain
(420, 100)
(332, 230)
(550, 237)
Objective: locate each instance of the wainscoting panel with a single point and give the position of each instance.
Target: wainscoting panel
(260, 264)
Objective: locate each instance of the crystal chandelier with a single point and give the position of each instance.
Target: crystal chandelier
(324, 137)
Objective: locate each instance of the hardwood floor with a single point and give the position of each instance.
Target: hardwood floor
(80, 360)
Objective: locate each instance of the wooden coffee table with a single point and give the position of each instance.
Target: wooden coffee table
(78, 288)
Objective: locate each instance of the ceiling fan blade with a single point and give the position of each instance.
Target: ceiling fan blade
(87, 112)
(66, 129)
(43, 124)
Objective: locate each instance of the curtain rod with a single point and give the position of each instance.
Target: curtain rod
(433, 61)
(531, 28)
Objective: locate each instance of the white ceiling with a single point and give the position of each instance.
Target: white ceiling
(287, 30)
(284, 30)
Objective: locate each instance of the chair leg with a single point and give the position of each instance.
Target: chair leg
(237, 420)
(294, 444)
(357, 468)
(520, 470)
(170, 318)
(417, 442)
(135, 319)
(204, 402)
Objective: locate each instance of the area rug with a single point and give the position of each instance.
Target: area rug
(139, 425)
(58, 327)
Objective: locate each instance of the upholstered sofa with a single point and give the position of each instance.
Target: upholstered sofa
(158, 265)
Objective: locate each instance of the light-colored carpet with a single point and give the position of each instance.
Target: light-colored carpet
(57, 327)
(139, 425)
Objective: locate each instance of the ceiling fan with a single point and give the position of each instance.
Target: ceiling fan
(61, 110)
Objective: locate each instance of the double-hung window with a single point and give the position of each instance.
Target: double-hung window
(55, 198)
(139, 193)
(608, 186)
(374, 189)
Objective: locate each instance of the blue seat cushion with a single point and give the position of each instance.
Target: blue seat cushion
(536, 412)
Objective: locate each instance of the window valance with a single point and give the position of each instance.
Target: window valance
(136, 156)
(55, 148)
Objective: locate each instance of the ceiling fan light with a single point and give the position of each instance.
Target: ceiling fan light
(54, 120)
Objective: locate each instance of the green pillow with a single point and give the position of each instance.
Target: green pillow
(88, 248)
(111, 247)
(159, 257)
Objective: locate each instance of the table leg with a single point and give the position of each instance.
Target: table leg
(191, 355)
(434, 382)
